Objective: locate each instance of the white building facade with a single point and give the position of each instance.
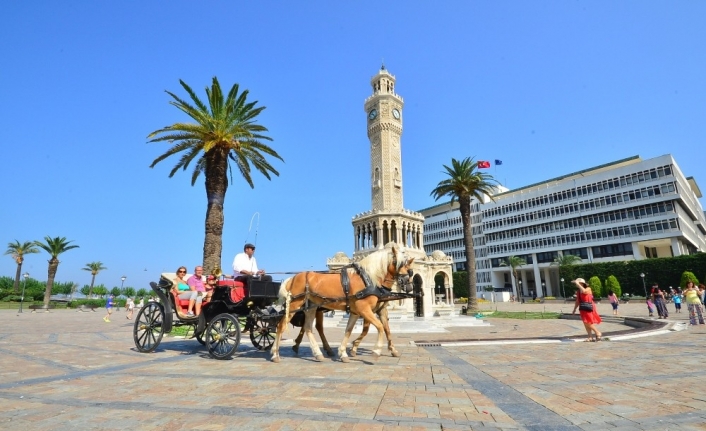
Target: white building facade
(624, 210)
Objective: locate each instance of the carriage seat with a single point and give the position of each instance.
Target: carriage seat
(237, 289)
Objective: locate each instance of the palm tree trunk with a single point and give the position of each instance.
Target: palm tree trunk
(17, 276)
(465, 208)
(90, 289)
(51, 273)
(216, 186)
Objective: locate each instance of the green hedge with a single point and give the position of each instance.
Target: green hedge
(665, 271)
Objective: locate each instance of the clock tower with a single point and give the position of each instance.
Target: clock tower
(384, 121)
(388, 224)
(388, 221)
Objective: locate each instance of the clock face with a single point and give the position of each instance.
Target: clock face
(373, 114)
(396, 114)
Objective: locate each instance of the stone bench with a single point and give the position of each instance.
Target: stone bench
(35, 307)
(84, 307)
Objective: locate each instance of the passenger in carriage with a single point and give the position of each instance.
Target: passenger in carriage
(198, 289)
(245, 266)
(211, 281)
(182, 289)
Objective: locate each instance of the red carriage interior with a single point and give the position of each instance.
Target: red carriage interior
(236, 291)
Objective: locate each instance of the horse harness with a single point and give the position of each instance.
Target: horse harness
(370, 289)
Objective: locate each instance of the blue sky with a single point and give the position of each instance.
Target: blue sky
(548, 87)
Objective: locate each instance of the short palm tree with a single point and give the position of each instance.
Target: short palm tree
(464, 183)
(514, 262)
(55, 247)
(225, 131)
(94, 268)
(18, 250)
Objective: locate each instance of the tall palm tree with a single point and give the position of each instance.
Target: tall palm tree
(464, 183)
(514, 262)
(18, 250)
(55, 247)
(224, 131)
(94, 268)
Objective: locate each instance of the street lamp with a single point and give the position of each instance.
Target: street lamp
(544, 292)
(520, 293)
(122, 281)
(562, 288)
(642, 274)
(24, 284)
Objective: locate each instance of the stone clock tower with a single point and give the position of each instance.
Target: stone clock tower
(388, 224)
(388, 221)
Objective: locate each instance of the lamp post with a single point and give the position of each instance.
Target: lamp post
(562, 288)
(544, 292)
(24, 284)
(122, 281)
(520, 293)
(642, 274)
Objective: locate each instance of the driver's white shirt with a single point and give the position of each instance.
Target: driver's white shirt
(243, 262)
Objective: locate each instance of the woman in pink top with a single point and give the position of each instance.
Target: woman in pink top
(613, 302)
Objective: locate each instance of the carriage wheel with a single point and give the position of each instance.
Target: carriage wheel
(223, 336)
(263, 333)
(148, 330)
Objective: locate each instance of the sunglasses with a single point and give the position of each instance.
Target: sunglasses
(181, 272)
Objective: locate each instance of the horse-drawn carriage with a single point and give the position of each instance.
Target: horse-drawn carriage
(218, 327)
(362, 289)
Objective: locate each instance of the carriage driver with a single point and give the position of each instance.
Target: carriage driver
(245, 266)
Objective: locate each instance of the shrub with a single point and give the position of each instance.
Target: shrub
(12, 298)
(95, 303)
(688, 276)
(463, 300)
(595, 284)
(613, 284)
(549, 297)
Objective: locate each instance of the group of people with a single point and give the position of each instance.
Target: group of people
(129, 307)
(197, 292)
(694, 297)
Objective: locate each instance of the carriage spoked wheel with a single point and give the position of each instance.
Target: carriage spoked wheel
(222, 336)
(263, 333)
(148, 329)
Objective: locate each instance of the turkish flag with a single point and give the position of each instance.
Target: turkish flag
(483, 164)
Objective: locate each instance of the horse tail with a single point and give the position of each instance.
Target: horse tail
(286, 296)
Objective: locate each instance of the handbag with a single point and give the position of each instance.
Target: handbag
(585, 306)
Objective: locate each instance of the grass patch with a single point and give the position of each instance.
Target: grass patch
(182, 331)
(523, 315)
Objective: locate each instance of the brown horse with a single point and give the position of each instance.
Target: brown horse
(309, 290)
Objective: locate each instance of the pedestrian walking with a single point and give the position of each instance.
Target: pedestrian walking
(109, 303)
(693, 303)
(587, 309)
(650, 306)
(659, 301)
(677, 300)
(613, 302)
(130, 307)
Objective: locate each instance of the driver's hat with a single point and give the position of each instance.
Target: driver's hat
(248, 245)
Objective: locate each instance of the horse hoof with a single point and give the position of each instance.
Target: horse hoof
(275, 359)
(330, 353)
(345, 359)
(295, 349)
(376, 356)
(319, 358)
(354, 353)
(396, 354)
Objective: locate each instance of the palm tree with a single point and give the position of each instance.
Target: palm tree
(565, 260)
(514, 262)
(94, 268)
(224, 131)
(55, 247)
(464, 183)
(18, 250)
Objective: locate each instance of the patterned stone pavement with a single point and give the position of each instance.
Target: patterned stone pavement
(66, 370)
